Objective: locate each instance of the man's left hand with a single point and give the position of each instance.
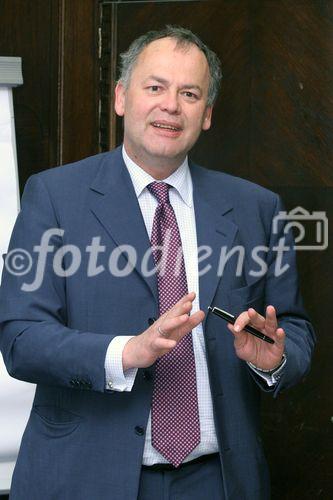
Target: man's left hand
(263, 355)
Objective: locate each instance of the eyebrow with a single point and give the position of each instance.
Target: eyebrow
(166, 82)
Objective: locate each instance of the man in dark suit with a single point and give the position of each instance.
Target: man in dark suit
(139, 393)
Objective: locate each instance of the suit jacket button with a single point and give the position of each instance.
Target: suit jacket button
(139, 430)
(86, 384)
(151, 321)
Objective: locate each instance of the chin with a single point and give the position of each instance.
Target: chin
(165, 151)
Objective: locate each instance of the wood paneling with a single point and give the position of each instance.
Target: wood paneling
(56, 109)
(30, 31)
(272, 124)
(297, 426)
(79, 80)
(291, 152)
(292, 93)
(211, 21)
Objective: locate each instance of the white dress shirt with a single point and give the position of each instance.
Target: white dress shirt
(181, 199)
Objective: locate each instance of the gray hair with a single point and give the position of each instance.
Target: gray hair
(184, 38)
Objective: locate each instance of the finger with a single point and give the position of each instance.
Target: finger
(242, 320)
(280, 337)
(166, 326)
(162, 332)
(162, 344)
(188, 325)
(188, 297)
(184, 304)
(195, 319)
(179, 326)
(271, 324)
(256, 319)
(182, 308)
(240, 337)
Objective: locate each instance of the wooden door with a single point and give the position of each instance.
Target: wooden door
(272, 124)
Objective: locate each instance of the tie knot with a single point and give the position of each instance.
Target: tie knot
(160, 190)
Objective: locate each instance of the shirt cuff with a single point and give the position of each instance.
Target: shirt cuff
(116, 378)
(272, 377)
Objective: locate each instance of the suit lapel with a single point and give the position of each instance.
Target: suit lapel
(115, 205)
(214, 230)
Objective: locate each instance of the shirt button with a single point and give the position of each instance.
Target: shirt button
(151, 321)
(110, 384)
(139, 430)
(147, 375)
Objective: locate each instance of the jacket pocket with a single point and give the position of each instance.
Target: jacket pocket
(53, 421)
(252, 295)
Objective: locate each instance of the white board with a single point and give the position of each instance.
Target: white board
(15, 396)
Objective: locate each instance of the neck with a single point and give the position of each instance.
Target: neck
(159, 168)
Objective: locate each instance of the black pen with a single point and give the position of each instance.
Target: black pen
(231, 319)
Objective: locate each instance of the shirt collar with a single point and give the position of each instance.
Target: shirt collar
(180, 179)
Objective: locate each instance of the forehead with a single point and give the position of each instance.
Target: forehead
(164, 58)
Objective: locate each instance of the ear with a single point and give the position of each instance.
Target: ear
(119, 99)
(207, 118)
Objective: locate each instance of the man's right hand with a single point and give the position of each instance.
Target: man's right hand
(163, 335)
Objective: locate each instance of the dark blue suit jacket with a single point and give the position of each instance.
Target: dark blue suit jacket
(83, 442)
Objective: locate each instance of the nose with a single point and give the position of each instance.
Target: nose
(170, 103)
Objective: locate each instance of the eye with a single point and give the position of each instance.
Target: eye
(154, 88)
(190, 95)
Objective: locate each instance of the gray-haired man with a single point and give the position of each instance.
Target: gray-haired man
(139, 394)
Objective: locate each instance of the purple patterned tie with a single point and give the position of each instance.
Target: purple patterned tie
(175, 413)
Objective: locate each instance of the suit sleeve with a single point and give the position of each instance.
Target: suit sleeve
(35, 342)
(282, 291)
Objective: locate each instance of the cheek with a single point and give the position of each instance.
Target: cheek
(194, 124)
(138, 108)
(195, 116)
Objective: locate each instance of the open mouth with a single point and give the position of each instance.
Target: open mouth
(167, 126)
